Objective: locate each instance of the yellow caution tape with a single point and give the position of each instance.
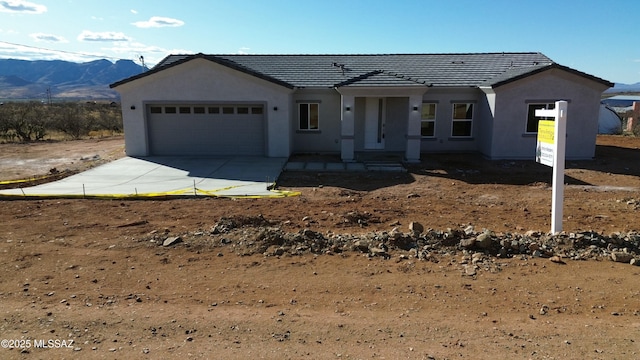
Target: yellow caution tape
(31, 179)
(181, 192)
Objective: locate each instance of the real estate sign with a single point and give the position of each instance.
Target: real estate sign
(544, 148)
(550, 151)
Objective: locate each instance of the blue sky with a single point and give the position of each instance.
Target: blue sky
(596, 37)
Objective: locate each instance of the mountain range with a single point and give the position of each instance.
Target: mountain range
(39, 79)
(624, 88)
(24, 79)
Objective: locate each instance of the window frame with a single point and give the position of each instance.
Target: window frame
(531, 114)
(309, 114)
(424, 119)
(455, 120)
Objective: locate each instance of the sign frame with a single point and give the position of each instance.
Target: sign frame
(558, 149)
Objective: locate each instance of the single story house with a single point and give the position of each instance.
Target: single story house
(410, 104)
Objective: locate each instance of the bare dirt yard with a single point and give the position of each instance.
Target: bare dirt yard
(450, 260)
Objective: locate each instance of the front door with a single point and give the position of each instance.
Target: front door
(374, 123)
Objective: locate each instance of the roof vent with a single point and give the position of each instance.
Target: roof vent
(341, 66)
(457, 62)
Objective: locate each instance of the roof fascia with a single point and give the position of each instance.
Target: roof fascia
(549, 67)
(383, 91)
(214, 59)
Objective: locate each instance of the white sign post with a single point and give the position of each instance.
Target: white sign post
(554, 147)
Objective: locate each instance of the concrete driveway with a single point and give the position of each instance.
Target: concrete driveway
(167, 176)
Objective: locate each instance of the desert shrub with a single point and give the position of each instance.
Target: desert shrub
(24, 122)
(5, 130)
(108, 118)
(72, 119)
(33, 121)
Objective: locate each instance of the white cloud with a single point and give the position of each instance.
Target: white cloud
(48, 38)
(152, 54)
(133, 11)
(21, 6)
(21, 52)
(243, 51)
(157, 21)
(87, 35)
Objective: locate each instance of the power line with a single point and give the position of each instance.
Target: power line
(63, 51)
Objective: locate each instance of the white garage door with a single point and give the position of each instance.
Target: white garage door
(205, 130)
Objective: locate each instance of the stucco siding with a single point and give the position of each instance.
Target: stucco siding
(201, 81)
(509, 138)
(327, 138)
(443, 141)
(397, 115)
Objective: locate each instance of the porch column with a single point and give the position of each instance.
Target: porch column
(347, 132)
(414, 138)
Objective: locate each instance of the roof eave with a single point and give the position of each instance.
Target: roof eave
(214, 59)
(549, 67)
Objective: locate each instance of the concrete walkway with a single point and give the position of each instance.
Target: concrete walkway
(167, 176)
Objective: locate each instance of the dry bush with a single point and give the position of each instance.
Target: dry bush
(33, 121)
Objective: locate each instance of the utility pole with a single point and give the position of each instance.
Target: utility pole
(144, 68)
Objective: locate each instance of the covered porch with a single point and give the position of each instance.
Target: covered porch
(376, 121)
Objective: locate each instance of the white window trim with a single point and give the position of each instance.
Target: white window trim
(309, 103)
(435, 117)
(454, 120)
(539, 106)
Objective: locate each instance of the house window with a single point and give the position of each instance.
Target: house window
(309, 116)
(243, 110)
(169, 109)
(256, 110)
(185, 110)
(198, 109)
(156, 109)
(428, 120)
(462, 119)
(213, 110)
(532, 120)
(228, 110)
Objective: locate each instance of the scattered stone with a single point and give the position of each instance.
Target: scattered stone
(467, 243)
(252, 235)
(416, 227)
(544, 310)
(412, 195)
(622, 257)
(172, 241)
(484, 241)
(470, 270)
(557, 259)
(476, 258)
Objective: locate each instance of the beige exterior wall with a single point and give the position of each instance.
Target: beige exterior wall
(499, 120)
(203, 81)
(327, 138)
(509, 139)
(444, 99)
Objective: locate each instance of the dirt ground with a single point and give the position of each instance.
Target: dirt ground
(85, 270)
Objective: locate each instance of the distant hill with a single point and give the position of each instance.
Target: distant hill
(23, 79)
(624, 88)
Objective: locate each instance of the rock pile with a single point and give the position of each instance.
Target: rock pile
(256, 235)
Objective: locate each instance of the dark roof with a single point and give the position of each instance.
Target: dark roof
(519, 73)
(384, 70)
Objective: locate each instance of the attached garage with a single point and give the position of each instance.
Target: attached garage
(206, 129)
